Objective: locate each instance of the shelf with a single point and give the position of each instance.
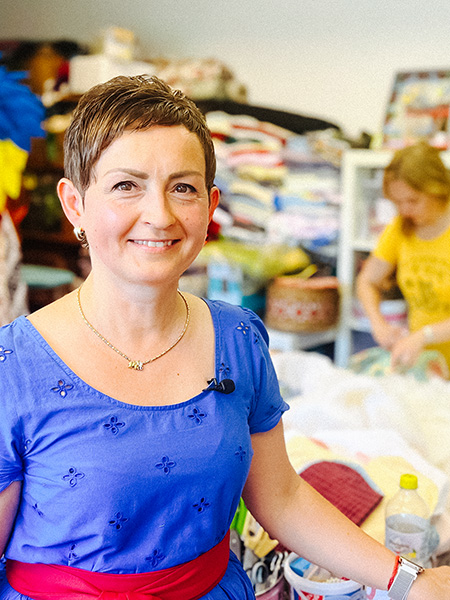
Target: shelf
(362, 245)
(286, 341)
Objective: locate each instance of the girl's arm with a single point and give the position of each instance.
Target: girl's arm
(369, 284)
(292, 512)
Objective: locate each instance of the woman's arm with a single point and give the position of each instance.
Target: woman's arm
(369, 284)
(9, 502)
(292, 512)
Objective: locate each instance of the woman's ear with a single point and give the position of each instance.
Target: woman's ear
(71, 201)
(214, 197)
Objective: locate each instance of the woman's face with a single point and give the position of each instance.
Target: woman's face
(147, 210)
(416, 208)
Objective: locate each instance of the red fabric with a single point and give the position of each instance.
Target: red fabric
(344, 487)
(189, 581)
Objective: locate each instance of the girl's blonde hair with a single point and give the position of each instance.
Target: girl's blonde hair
(421, 167)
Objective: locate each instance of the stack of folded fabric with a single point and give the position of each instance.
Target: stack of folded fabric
(271, 181)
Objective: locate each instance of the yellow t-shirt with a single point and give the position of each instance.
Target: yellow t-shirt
(423, 275)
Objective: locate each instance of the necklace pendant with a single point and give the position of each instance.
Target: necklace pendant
(137, 365)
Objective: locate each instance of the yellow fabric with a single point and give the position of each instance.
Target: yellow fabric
(384, 471)
(423, 276)
(12, 163)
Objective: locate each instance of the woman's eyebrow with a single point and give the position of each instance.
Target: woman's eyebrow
(186, 173)
(144, 175)
(140, 174)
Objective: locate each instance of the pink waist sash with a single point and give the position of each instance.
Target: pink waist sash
(189, 581)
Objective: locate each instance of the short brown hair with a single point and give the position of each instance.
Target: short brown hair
(124, 103)
(421, 167)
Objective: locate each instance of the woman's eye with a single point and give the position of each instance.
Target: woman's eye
(124, 186)
(183, 188)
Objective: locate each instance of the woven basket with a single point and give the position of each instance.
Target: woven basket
(302, 305)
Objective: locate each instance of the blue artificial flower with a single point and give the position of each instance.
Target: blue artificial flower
(21, 111)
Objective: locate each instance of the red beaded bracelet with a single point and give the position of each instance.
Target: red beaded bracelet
(394, 572)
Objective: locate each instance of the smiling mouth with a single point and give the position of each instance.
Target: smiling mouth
(151, 244)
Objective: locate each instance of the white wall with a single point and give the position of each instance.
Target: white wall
(334, 59)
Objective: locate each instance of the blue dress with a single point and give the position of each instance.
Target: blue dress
(119, 488)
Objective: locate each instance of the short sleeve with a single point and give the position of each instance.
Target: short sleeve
(11, 438)
(11, 443)
(268, 405)
(388, 243)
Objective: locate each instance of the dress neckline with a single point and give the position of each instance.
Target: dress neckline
(39, 338)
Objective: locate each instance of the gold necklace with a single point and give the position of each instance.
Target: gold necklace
(137, 365)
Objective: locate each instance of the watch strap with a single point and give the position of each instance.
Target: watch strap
(407, 573)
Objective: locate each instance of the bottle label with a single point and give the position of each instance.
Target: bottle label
(408, 535)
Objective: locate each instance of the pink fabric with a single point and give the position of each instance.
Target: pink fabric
(189, 581)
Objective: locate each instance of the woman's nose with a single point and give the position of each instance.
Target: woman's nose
(158, 211)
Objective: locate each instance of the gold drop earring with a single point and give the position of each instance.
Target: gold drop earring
(80, 234)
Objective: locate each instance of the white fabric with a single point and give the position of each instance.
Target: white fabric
(394, 415)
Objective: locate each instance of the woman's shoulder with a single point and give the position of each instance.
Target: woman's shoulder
(241, 316)
(394, 227)
(13, 333)
(17, 352)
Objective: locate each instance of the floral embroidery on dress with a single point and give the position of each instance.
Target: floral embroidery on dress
(72, 555)
(240, 453)
(4, 353)
(243, 327)
(114, 425)
(62, 388)
(256, 337)
(272, 408)
(197, 416)
(224, 370)
(155, 557)
(118, 521)
(36, 508)
(73, 476)
(202, 505)
(166, 464)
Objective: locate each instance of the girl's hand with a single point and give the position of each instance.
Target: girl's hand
(387, 335)
(406, 351)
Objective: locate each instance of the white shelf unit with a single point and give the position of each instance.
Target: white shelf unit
(361, 186)
(358, 169)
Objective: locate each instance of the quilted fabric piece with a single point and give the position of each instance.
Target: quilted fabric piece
(344, 487)
(377, 362)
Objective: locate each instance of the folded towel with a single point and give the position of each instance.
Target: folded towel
(344, 487)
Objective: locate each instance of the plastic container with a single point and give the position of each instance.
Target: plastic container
(276, 592)
(302, 588)
(408, 523)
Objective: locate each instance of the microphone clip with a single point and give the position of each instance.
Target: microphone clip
(226, 386)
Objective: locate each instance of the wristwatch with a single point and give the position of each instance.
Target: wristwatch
(406, 575)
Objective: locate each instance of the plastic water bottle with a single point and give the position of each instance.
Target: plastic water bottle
(408, 523)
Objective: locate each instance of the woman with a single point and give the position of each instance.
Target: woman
(132, 414)
(414, 246)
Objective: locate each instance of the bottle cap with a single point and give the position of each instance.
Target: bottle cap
(408, 482)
